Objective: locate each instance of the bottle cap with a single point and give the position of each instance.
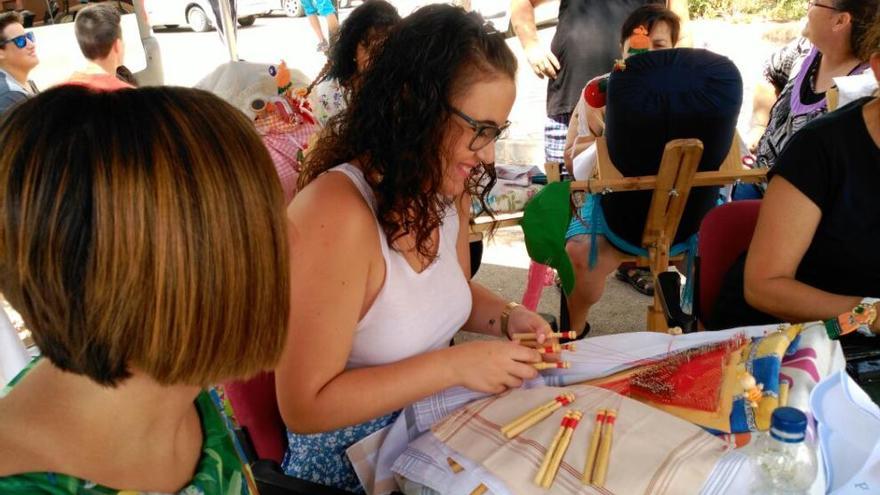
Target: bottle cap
(788, 424)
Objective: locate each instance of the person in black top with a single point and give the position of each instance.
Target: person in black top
(814, 251)
(584, 46)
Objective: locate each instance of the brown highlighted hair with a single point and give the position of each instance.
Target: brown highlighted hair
(8, 18)
(143, 229)
(97, 28)
(649, 15)
(397, 125)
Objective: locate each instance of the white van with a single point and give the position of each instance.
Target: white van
(198, 14)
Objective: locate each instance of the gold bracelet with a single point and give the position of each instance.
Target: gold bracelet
(505, 318)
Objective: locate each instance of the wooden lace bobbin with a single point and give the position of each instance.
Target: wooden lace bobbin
(535, 416)
(593, 448)
(480, 489)
(561, 449)
(550, 349)
(550, 366)
(539, 477)
(454, 466)
(602, 457)
(533, 336)
(783, 393)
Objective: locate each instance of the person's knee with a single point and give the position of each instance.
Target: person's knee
(578, 252)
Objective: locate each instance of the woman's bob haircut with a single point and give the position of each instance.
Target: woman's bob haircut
(143, 230)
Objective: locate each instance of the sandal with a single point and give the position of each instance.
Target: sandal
(640, 280)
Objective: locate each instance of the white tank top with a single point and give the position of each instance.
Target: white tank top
(413, 312)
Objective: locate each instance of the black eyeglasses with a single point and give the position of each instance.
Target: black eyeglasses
(812, 3)
(485, 133)
(20, 41)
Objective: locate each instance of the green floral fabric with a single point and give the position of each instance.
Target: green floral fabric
(220, 470)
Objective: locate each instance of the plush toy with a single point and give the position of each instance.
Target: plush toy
(290, 104)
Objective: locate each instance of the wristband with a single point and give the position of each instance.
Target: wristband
(505, 318)
(859, 319)
(868, 305)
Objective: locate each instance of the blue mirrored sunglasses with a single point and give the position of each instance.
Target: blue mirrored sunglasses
(20, 41)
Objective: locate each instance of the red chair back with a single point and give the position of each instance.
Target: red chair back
(725, 234)
(256, 409)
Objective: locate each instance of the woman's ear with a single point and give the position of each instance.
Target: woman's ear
(844, 20)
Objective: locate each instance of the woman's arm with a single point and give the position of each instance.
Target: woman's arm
(786, 226)
(575, 143)
(334, 258)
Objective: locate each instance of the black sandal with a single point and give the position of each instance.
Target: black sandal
(638, 279)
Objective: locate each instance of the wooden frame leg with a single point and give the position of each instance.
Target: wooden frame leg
(659, 262)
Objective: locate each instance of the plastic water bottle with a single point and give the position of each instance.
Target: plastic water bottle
(784, 461)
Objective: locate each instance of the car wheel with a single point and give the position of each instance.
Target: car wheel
(247, 21)
(197, 19)
(293, 8)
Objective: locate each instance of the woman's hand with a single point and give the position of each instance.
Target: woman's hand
(524, 321)
(493, 366)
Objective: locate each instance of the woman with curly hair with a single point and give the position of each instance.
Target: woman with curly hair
(359, 37)
(380, 269)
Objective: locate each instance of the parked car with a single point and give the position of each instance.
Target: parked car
(198, 14)
(294, 8)
(291, 8)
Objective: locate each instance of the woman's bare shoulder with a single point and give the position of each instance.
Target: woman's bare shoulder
(332, 214)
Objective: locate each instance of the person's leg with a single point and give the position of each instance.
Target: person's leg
(311, 12)
(327, 10)
(589, 282)
(332, 25)
(555, 132)
(316, 27)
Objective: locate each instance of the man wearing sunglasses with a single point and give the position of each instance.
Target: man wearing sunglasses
(18, 56)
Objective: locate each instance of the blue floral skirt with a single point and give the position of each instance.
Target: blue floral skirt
(320, 458)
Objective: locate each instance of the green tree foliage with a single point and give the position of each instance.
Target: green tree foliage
(782, 10)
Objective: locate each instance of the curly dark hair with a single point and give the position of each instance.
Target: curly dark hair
(372, 19)
(398, 125)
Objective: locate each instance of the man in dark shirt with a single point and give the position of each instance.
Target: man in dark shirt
(18, 57)
(585, 45)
